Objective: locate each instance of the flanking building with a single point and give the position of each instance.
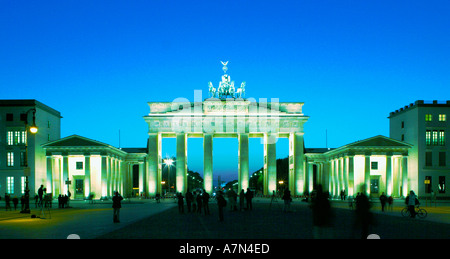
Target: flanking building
(425, 126)
(21, 152)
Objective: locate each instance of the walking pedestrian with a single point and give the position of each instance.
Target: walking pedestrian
(390, 203)
(117, 199)
(412, 201)
(15, 202)
(363, 214)
(383, 200)
(7, 199)
(189, 197)
(205, 202)
(40, 193)
(322, 215)
(221, 203)
(231, 195)
(180, 203)
(249, 197)
(199, 203)
(287, 200)
(241, 200)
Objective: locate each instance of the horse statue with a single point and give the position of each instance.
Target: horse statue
(240, 93)
(212, 90)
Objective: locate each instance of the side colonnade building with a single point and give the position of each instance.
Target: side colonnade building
(88, 169)
(372, 166)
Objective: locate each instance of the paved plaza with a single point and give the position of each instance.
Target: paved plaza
(146, 219)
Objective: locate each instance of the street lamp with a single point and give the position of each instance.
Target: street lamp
(168, 162)
(33, 130)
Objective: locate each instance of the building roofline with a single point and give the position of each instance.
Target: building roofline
(28, 102)
(420, 103)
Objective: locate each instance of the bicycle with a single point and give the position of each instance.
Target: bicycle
(421, 213)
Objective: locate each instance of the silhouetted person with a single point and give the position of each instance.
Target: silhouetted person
(241, 199)
(363, 214)
(249, 197)
(383, 200)
(180, 203)
(41, 193)
(15, 201)
(199, 203)
(7, 199)
(412, 201)
(287, 200)
(322, 214)
(205, 202)
(117, 199)
(189, 198)
(221, 203)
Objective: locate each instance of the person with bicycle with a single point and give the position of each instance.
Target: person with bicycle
(411, 201)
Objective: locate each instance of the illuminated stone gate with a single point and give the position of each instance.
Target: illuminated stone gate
(226, 114)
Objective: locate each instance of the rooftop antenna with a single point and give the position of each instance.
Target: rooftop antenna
(119, 138)
(326, 138)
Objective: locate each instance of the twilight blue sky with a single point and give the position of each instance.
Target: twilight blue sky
(100, 62)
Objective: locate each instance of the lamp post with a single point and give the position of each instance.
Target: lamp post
(33, 130)
(168, 162)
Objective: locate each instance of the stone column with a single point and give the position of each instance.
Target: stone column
(405, 190)
(345, 174)
(181, 163)
(351, 177)
(153, 161)
(141, 178)
(49, 184)
(87, 175)
(208, 163)
(243, 166)
(108, 176)
(389, 178)
(65, 174)
(309, 174)
(104, 176)
(270, 164)
(367, 174)
(296, 159)
(336, 177)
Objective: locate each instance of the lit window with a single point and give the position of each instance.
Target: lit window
(442, 117)
(23, 180)
(428, 117)
(442, 138)
(428, 137)
(10, 138)
(435, 137)
(10, 159)
(10, 184)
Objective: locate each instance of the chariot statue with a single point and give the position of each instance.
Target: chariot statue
(226, 87)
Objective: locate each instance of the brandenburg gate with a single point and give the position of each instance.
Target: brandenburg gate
(226, 114)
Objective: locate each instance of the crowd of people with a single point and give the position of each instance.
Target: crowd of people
(198, 201)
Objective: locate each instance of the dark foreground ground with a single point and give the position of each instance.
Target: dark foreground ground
(268, 221)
